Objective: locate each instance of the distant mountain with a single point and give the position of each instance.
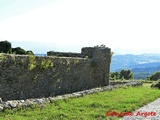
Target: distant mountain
(142, 65)
(123, 51)
(43, 48)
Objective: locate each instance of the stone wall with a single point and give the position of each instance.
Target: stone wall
(23, 77)
(63, 54)
(86, 52)
(12, 104)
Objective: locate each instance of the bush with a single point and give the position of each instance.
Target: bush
(19, 50)
(123, 75)
(155, 76)
(30, 52)
(126, 74)
(114, 75)
(5, 46)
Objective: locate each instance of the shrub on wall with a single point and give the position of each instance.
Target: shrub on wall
(32, 62)
(2, 57)
(46, 63)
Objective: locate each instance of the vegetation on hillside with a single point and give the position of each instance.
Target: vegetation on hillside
(5, 47)
(142, 66)
(155, 76)
(123, 75)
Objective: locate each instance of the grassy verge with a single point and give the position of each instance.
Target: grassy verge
(89, 107)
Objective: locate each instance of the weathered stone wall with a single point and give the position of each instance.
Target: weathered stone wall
(12, 104)
(86, 52)
(23, 77)
(63, 54)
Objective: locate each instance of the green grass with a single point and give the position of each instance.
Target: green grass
(89, 107)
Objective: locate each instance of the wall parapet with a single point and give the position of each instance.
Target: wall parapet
(86, 52)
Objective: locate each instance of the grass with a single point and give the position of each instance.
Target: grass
(89, 107)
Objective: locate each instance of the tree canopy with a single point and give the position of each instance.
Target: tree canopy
(123, 74)
(6, 47)
(126, 74)
(155, 76)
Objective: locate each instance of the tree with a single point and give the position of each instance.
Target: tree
(30, 52)
(5, 47)
(114, 75)
(19, 50)
(155, 76)
(126, 74)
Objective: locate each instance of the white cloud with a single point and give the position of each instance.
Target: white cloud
(128, 24)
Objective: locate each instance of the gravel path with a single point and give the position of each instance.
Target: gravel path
(151, 111)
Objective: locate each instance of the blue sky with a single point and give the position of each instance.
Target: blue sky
(68, 25)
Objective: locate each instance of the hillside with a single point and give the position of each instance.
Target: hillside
(141, 65)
